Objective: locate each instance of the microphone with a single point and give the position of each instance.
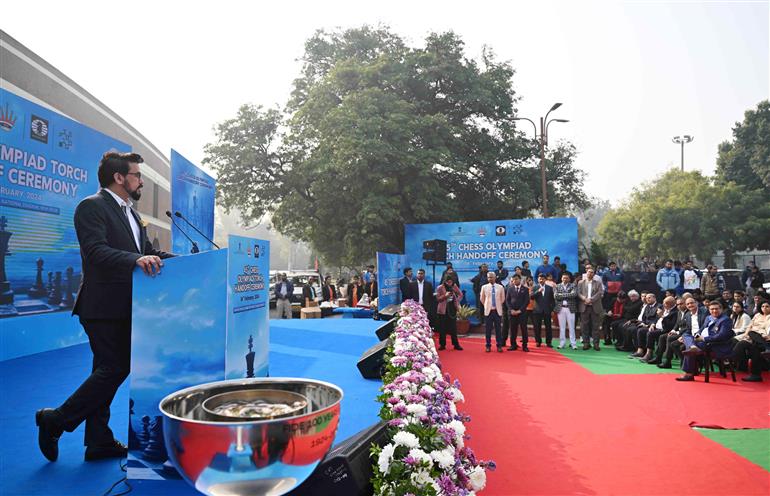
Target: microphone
(179, 214)
(195, 248)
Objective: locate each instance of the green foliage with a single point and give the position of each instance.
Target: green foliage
(746, 160)
(465, 312)
(682, 214)
(377, 134)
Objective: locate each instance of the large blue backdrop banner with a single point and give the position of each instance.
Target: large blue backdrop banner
(248, 324)
(48, 164)
(192, 194)
(389, 267)
(469, 244)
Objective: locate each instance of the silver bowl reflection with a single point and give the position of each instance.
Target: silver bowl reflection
(224, 456)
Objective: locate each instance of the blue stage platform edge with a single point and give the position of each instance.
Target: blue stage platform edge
(324, 349)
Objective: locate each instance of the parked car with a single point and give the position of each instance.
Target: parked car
(299, 278)
(271, 283)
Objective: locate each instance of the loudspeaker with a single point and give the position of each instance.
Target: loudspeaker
(372, 361)
(347, 468)
(434, 250)
(386, 329)
(389, 312)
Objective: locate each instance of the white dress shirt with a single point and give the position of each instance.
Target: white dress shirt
(420, 285)
(125, 206)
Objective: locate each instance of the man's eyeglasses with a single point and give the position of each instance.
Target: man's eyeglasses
(138, 175)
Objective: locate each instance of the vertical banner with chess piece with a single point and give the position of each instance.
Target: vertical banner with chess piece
(248, 324)
(389, 272)
(48, 164)
(192, 195)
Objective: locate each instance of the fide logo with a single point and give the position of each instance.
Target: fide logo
(500, 231)
(38, 129)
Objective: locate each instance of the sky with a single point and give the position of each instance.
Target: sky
(630, 74)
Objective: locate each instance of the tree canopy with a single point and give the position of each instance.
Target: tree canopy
(377, 134)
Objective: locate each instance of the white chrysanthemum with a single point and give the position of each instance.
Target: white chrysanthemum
(407, 439)
(422, 456)
(428, 390)
(452, 409)
(383, 462)
(417, 409)
(421, 478)
(478, 478)
(458, 396)
(458, 427)
(444, 458)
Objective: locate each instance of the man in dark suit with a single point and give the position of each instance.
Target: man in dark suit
(283, 290)
(590, 293)
(328, 291)
(404, 284)
(544, 304)
(421, 291)
(716, 335)
(309, 293)
(667, 317)
(516, 300)
(685, 326)
(113, 241)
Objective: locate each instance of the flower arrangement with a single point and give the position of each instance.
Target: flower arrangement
(426, 454)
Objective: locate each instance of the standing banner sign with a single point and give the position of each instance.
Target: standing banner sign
(248, 324)
(192, 194)
(389, 267)
(469, 244)
(48, 164)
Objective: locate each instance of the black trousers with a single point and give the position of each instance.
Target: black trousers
(754, 351)
(493, 321)
(538, 319)
(519, 322)
(447, 325)
(110, 342)
(666, 347)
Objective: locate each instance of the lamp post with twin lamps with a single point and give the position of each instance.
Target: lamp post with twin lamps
(682, 140)
(543, 142)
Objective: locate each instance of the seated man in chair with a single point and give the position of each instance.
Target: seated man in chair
(716, 335)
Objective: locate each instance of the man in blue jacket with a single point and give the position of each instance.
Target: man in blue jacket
(283, 290)
(716, 334)
(667, 278)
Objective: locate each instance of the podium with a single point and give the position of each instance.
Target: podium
(204, 318)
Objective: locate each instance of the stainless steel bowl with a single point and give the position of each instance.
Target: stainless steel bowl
(236, 457)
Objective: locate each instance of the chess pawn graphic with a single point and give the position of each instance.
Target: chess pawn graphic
(144, 436)
(156, 449)
(38, 289)
(54, 297)
(133, 438)
(250, 359)
(69, 299)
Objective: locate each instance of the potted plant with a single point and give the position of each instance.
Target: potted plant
(463, 314)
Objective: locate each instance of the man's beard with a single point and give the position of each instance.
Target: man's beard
(136, 194)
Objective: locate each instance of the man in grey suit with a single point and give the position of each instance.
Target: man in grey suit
(590, 293)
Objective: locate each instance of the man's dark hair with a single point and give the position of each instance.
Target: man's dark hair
(407, 270)
(668, 260)
(715, 303)
(421, 270)
(113, 162)
(516, 276)
(524, 263)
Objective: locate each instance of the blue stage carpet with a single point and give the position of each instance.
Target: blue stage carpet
(324, 349)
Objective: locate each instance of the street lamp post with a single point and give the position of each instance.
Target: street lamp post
(543, 141)
(682, 140)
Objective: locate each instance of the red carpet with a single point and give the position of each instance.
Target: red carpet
(552, 427)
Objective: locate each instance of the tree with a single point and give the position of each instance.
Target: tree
(377, 134)
(746, 160)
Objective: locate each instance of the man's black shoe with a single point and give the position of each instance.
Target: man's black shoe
(636, 355)
(459, 348)
(487, 349)
(686, 378)
(654, 361)
(524, 348)
(664, 365)
(586, 346)
(752, 378)
(499, 349)
(512, 348)
(114, 450)
(48, 433)
(441, 348)
(549, 345)
(596, 347)
(607, 342)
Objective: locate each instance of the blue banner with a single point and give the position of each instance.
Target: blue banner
(389, 272)
(48, 164)
(178, 340)
(248, 324)
(192, 194)
(469, 244)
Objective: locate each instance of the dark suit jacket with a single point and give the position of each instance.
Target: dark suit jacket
(669, 321)
(544, 302)
(289, 289)
(517, 300)
(650, 315)
(686, 324)
(720, 334)
(109, 254)
(427, 294)
(329, 293)
(404, 285)
(308, 292)
(370, 288)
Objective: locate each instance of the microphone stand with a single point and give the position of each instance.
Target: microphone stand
(179, 214)
(194, 248)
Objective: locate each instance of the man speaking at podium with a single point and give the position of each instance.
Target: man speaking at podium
(112, 241)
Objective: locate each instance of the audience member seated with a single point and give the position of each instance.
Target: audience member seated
(667, 316)
(716, 335)
(631, 309)
(636, 334)
(673, 334)
(754, 341)
(614, 315)
(695, 318)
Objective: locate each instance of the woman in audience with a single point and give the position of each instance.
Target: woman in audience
(566, 303)
(754, 342)
(741, 321)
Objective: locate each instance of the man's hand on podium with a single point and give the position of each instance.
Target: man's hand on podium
(150, 264)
